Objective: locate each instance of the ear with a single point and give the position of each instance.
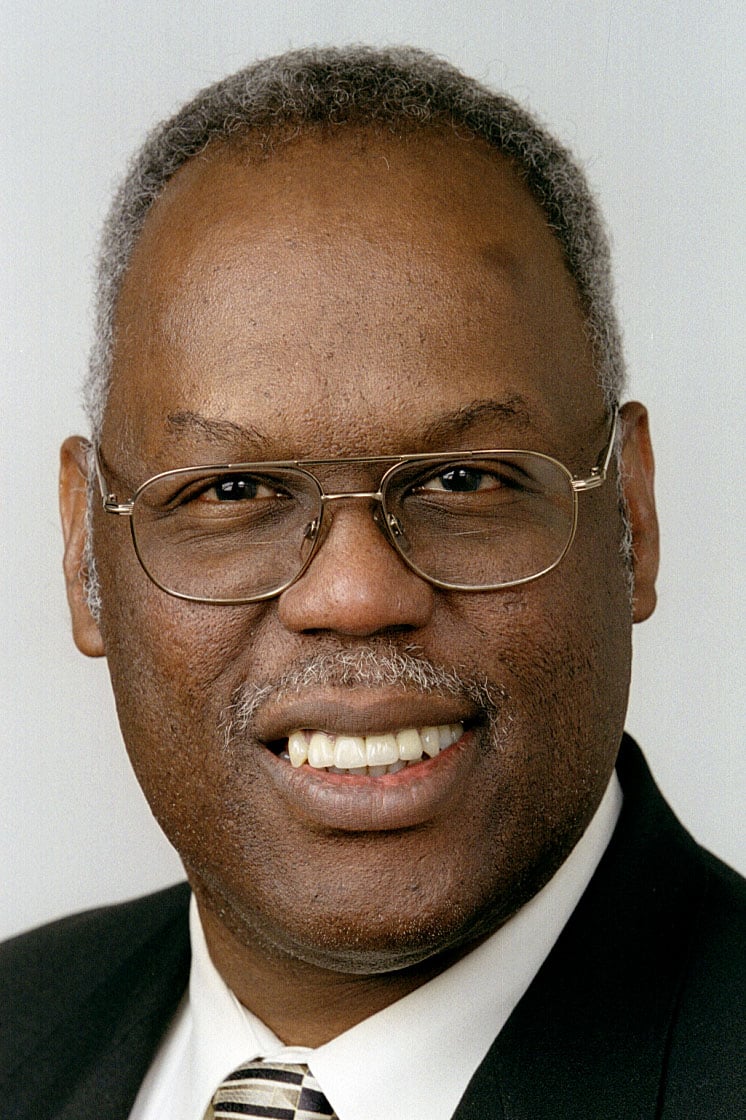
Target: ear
(73, 506)
(638, 469)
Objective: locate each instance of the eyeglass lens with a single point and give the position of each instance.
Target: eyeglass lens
(243, 534)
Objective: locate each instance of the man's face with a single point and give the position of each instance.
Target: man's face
(361, 296)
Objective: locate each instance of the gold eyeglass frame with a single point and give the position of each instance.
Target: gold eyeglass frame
(388, 523)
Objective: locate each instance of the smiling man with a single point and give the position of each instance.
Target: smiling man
(362, 530)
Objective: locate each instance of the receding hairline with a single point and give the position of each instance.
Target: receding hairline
(250, 150)
(399, 91)
(258, 141)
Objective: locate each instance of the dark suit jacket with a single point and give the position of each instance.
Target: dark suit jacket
(637, 1012)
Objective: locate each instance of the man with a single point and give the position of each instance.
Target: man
(362, 530)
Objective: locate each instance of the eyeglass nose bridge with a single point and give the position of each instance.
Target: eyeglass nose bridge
(387, 522)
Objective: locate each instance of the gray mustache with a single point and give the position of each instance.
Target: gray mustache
(363, 668)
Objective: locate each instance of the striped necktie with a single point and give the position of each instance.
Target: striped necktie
(273, 1092)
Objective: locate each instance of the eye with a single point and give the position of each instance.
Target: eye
(237, 488)
(462, 479)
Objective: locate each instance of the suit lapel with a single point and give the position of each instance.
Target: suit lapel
(93, 1061)
(590, 1036)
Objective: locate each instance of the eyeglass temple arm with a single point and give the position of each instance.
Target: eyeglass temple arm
(598, 473)
(109, 500)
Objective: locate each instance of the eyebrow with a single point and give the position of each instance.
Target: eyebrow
(513, 410)
(227, 435)
(217, 432)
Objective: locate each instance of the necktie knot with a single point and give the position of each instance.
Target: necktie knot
(272, 1092)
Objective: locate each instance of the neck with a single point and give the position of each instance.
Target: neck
(302, 1003)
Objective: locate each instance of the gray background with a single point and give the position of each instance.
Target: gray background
(649, 95)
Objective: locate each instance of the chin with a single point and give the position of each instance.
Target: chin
(370, 940)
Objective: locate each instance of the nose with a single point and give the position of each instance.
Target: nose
(356, 584)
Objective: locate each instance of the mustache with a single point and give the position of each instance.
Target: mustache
(384, 667)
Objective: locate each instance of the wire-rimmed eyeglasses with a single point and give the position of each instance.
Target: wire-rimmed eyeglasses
(463, 521)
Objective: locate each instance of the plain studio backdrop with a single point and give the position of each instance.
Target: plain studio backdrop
(648, 94)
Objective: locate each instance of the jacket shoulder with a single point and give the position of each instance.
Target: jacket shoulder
(706, 1063)
(699, 905)
(44, 972)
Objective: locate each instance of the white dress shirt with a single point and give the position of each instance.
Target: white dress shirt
(410, 1061)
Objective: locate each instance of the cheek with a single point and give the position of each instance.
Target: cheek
(561, 647)
(571, 626)
(174, 667)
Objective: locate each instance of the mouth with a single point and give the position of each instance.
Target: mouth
(336, 771)
(371, 755)
(368, 759)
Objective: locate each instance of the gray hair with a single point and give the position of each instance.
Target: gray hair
(400, 89)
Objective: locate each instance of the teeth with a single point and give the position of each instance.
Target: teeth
(430, 741)
(320, 750)
(373, 755)
(381, 750)
(349, 752)
(410, 745)
(298, 748)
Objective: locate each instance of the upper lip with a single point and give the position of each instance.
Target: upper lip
(357, 712)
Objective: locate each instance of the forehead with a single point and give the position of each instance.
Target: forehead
(385, 276)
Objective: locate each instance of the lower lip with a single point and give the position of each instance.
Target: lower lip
(360, 803)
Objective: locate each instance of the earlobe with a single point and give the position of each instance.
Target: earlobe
(73, 507)
(637, 466)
